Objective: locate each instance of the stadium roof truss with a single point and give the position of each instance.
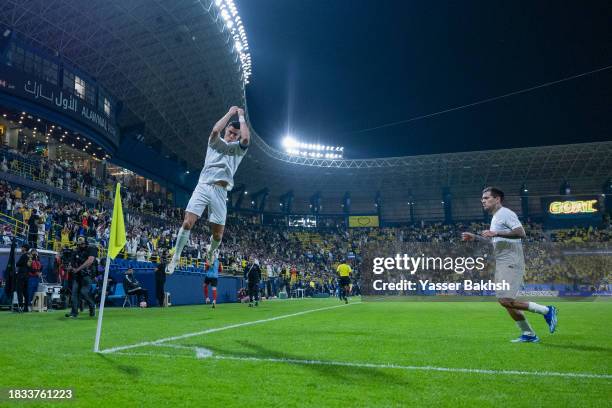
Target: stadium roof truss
(547, 164)
(172, 63)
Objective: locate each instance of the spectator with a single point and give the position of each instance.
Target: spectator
(160, 277)
(23, 272)
(33, 229)
(132, 287)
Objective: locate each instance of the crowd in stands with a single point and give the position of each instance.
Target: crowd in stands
(292, 257)
(579, 235)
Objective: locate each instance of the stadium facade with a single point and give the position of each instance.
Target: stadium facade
(145, 81)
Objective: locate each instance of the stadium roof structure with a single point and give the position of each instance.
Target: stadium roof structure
(399, 179)
(173, 64)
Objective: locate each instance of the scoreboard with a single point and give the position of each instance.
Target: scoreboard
(572, 211)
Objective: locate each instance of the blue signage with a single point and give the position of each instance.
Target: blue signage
(53, 97)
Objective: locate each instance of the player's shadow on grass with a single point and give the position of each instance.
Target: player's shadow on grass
(579, 347)
(337, 372)
(126, 369)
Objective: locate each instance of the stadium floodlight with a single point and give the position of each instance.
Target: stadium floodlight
(289, 142)
(295, 147)
(233, 23)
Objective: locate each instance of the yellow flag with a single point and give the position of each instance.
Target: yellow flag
(117, 235)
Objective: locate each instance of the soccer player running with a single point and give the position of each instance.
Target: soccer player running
(223, 156)
(344, 270)
(506, 233)
(212, 276)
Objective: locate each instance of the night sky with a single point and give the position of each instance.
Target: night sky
(326, 70)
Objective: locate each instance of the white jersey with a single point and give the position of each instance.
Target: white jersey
(222, 161)
(506, 220)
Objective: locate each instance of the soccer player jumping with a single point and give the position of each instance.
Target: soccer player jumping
(506, 233)
(223, 157)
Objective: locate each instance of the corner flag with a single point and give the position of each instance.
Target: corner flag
(115, 245)
(117, 234)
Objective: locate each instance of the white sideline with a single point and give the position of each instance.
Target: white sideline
(218, 329)
(202, 353)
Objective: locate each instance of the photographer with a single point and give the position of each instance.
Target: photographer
(34, 273)
(82, 276)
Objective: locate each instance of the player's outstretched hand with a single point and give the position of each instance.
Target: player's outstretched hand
(233, 110)
(468, 236)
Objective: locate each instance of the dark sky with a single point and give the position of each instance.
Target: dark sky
(324, 70)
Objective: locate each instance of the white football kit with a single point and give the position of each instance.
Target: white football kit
(509, 258)
(222, 161)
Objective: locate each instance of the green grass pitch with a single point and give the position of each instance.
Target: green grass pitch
(332, 356)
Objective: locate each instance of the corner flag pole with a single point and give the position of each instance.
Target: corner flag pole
(115, 244)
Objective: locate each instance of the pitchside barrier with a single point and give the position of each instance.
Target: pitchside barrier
(185, 287)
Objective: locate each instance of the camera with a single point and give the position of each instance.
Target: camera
(67, 257)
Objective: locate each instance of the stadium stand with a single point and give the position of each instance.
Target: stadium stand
(145, 126)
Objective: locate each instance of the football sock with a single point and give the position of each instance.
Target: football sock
(181, 240)
(214, 244)
(525, 327)
(214, 294)
(534, 307)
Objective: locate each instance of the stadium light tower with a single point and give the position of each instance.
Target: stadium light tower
(300, 148)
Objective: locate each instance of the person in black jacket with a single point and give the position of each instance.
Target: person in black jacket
(33, 230)
(83, 276)
(132, 287)
(160, 277)
(22, 278)
(253, 274)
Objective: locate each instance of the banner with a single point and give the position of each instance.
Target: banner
(358, 221)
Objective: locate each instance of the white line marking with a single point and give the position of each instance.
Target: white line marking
(218, 329)
(382, 366)
(200, 352)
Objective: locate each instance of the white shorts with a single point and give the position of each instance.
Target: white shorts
(509, 267)
(212, 196)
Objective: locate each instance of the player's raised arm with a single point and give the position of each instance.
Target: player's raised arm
(245, 133)
(222, 123)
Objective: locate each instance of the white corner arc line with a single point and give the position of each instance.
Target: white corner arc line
(218, 329)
